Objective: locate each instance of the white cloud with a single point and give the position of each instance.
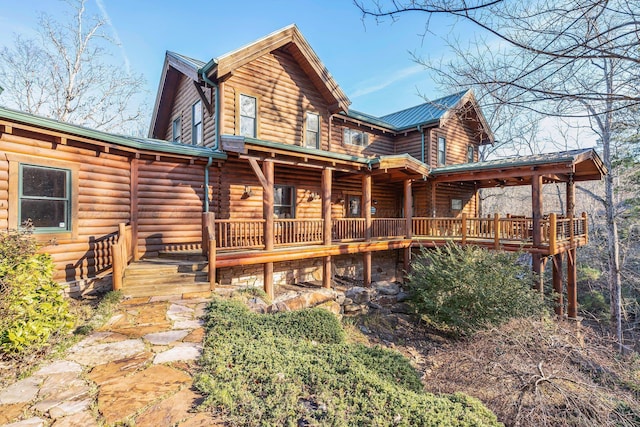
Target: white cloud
(374, 85)
(114, 34)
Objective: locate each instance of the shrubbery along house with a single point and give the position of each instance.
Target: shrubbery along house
(255, 159)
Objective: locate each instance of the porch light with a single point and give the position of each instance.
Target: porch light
(313, 196)
(248, 192)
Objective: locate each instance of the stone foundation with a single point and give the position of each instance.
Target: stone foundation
(385, 266)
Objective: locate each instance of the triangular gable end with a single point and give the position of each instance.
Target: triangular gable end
(174, 65)
(291, 39)
(486, 135)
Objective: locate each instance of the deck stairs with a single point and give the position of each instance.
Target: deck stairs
(171, 273)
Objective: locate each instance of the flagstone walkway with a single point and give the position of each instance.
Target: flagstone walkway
(137, 370)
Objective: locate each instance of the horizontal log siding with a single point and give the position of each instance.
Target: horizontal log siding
(170, 200)
(185, 96)
(447, 191)
(459, 133)
(4, 194)
(103, 202)
(421, 199)
(411, 143)
(285, 93)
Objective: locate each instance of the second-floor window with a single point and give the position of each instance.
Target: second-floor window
(196, 128)
(355, 137)
(312, 130)
(176, 130)
(284, 201)
(442, 151)
(470, 153)
(248, 116)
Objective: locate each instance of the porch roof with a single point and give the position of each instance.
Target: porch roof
(10, 117)
(577, 165)
(399, 166)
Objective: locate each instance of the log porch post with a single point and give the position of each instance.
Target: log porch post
(267, 212)
(134, 209)
(366, 202)
(408, 216)
(572, 285)
(536, 213)
(326, 230)
(557, 283)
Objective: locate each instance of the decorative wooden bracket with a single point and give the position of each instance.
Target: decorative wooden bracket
(204, 99)
(258, 171)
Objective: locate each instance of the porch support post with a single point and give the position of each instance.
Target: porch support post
(572, 285)
(366, 206)
(326, 229)
(267, 212)
(536, 213)
(434, 185)
(557, 283)
(572, 289)
(408, 216)
(134, 209)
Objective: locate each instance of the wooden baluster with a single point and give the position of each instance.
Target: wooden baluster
(496, 231)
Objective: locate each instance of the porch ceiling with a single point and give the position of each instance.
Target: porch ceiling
(576, 165)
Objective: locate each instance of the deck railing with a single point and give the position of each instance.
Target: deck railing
(297, 231)
(122, 254)
(249, 234)
(348, 229)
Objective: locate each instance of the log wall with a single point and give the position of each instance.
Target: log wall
(101, 187)
(170, 205)
(181, 106)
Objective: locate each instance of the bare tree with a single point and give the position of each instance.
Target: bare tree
(67, 73)
(565, 58)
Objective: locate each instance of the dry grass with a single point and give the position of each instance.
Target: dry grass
(541, 373)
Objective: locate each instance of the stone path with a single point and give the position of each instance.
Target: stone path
(137, 369)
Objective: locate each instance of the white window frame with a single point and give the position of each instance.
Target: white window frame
(348, 136)
(312, 136)
(442, 151)
(197, 133)
(242, 117)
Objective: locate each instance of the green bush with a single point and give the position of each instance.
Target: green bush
(295, 368)
(462, 289)
(32, 306)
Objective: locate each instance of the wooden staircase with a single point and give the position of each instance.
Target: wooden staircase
(171, 273)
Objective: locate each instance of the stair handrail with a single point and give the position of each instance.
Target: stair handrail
(121, 252)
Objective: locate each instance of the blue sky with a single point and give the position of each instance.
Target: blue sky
(371, 62)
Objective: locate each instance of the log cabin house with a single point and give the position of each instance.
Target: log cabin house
(256, 159)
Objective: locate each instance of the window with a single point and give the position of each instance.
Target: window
(353, 206)
(176, 132)
(312, 134)
(284, 201)
(45, 198)
(248, 116)
(196, 128)
(442, 151)
(470, 153)
(355, 137)
(456, 204)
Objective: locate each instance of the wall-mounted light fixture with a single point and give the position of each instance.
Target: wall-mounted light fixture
(375, 202)
(313, 196)
(248, 192)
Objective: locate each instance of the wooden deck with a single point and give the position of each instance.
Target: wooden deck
(241, 242)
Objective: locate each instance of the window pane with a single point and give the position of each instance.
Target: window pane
(197, 113)
(44, 213)
(313, 122)
(312, 139)
(247, 126)
(176, 130)
(247, 106)
(41, 182)
(282, 211)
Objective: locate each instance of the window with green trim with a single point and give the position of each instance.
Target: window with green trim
(45, 198)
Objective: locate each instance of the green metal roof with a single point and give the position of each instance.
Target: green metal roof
(424, 114)
(512, 162)
(303, 150)
(123, 140)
